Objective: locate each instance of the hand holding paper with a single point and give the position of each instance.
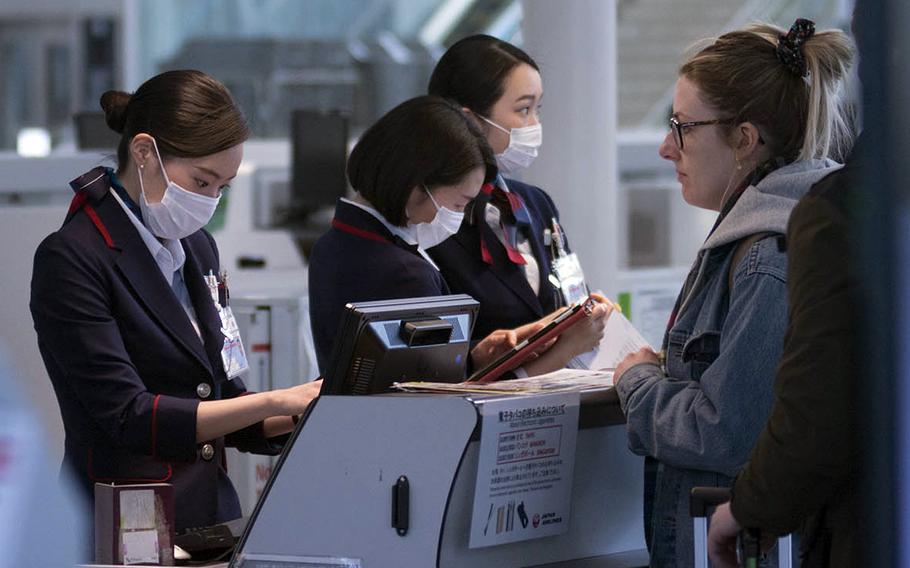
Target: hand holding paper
(620, 339)
(643, 355)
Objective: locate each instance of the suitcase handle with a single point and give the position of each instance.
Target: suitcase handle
(703, 499)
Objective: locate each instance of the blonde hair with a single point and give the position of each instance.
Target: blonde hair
(799, 117)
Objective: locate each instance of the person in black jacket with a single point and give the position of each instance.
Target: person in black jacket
(414, 172)
(803, 472)
(504, 252)
(124, 307)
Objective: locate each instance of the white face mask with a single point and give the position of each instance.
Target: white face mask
(445, 224)
(180, 213)
(523, 145)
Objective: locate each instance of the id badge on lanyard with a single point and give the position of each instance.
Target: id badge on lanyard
(233, 356)
(566, 274)
(567, 270)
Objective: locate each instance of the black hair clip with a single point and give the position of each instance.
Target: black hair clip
(789, 46)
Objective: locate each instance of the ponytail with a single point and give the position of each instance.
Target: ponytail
(789, 84)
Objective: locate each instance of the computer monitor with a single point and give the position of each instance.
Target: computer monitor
(93, 133)
(319, 142)
(379, 343)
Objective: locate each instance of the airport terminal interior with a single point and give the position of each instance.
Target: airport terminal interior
(462, 454)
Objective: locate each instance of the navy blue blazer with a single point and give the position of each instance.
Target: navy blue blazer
(126, 364)
(506, 299)
(360, 260)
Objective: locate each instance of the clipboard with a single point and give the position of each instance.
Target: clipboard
(517, 355)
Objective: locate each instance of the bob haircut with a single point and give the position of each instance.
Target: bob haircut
(423, 141)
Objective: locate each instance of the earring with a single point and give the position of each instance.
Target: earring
(739, 166)
(141, 166)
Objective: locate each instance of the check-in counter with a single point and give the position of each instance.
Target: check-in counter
(330, 499)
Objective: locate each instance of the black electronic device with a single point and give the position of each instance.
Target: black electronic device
(211, 542)
(379, 343)
(93, 133)
(520, 353)
(319, 142)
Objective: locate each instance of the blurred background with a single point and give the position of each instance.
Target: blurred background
(360, 57)
(310, 76)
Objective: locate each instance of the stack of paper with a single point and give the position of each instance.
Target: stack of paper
(558, 381)
(586, 371)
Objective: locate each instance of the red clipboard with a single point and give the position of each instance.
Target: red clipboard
(517, 355)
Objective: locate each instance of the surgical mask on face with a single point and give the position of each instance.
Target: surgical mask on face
(523, 145)
(445, 224)
(180, 213)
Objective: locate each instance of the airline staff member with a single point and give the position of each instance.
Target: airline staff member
(414, 172)
(503, 254)
(126, 320)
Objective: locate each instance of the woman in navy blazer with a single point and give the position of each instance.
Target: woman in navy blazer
(414, 172)
(501, 259)
(127, 325)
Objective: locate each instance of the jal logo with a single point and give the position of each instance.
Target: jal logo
(536, 520)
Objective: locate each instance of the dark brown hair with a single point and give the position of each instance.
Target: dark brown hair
(424, 141)
(799, 117)
(190, 115)
(473, 71)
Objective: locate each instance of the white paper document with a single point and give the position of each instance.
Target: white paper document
(137, 509)
(140, 547)
(620, 339)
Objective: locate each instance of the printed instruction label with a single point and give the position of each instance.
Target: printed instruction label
(525, 468)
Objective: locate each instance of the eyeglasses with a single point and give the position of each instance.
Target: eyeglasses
(677, 127)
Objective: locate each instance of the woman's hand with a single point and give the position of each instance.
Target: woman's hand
(215, 418)
(585, 335)
(528, 330)
(493, 346)
(294, 400)
(643, 355)
(601, 299)
(579, 338)
(722, 537)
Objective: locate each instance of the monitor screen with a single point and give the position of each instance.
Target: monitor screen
(388, 341)
(319, 153)
(93, 133)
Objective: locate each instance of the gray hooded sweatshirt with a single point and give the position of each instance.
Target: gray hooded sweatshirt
(701, 419)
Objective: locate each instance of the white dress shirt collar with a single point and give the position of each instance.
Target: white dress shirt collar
(403, 232)
(168, 253)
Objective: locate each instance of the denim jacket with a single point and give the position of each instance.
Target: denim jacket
(701, 419)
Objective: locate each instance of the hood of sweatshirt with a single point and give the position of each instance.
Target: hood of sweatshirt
(766, 207)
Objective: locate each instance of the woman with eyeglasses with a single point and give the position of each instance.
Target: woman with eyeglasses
(413, 173)
(757, 119)
(504, 253)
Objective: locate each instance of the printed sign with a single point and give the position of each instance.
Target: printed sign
(525, 467)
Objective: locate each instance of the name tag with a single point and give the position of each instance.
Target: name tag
(570, 278)
(233, 356)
